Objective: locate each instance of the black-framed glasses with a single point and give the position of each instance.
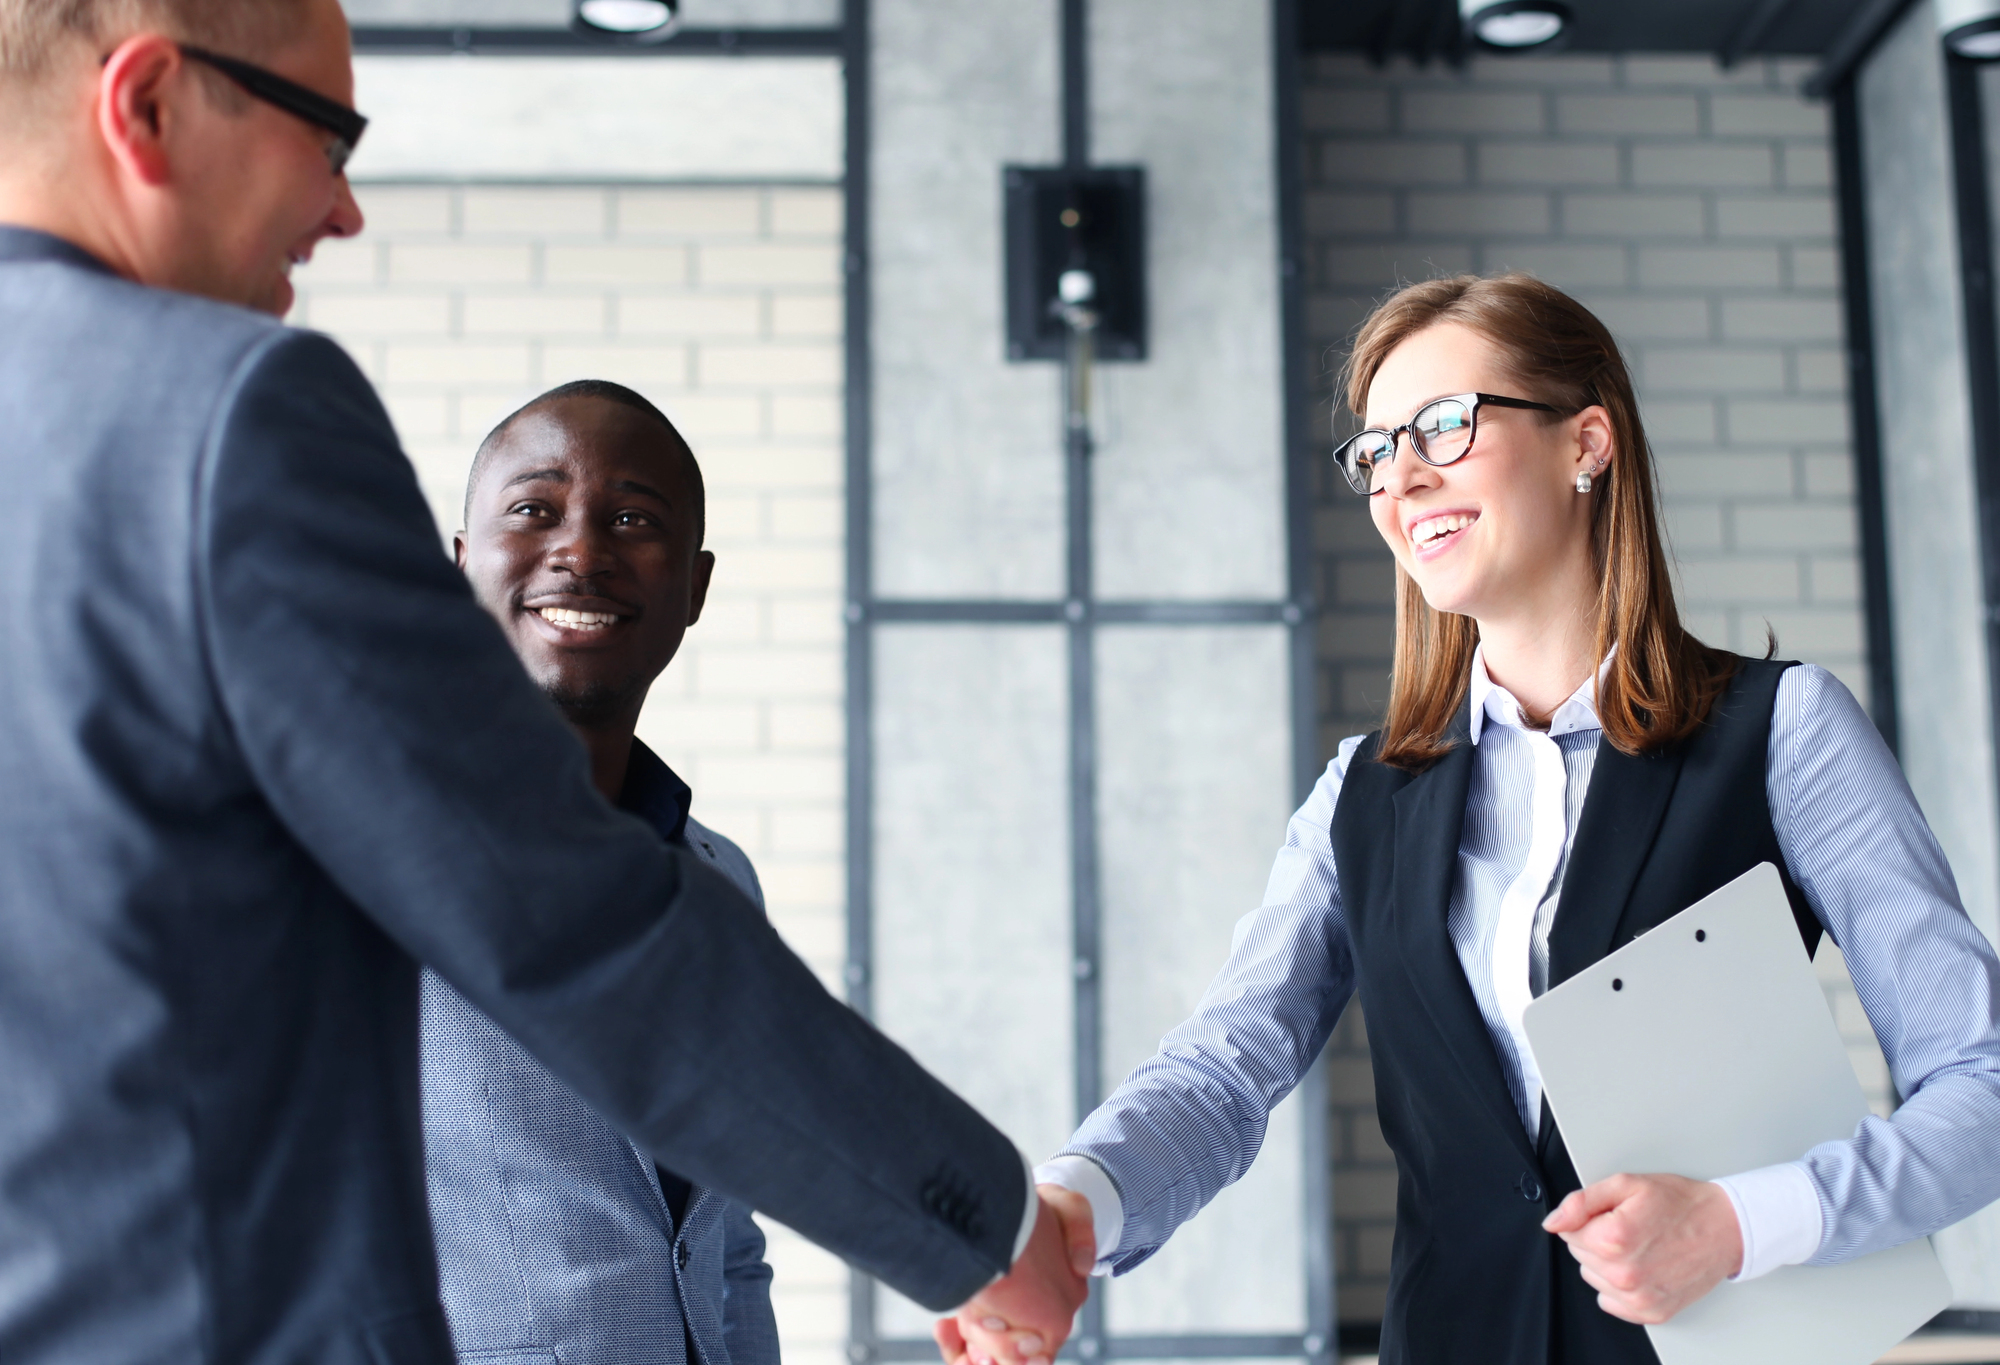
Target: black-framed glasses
(1440, 433)
(345, 124)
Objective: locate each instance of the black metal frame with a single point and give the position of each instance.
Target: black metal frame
(562, 42)
(1972, 199)
(1851, 46)
(1755, 24)
(1864, 410)
(863, 1345)
(1321, 1343)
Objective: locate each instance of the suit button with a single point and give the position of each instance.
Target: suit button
(1530, 1188)
(681, 1256)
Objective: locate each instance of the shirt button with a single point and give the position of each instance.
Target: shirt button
(681, 1256)
(1530, 1188)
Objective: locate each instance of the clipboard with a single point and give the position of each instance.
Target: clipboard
(1705, 1048)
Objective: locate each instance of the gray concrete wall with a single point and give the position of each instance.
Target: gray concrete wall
(968, 492)
(1939, 614)
(1692, 209)
(1190, 500)
(971, 837)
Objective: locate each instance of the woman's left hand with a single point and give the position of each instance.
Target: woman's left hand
(1650, 1245)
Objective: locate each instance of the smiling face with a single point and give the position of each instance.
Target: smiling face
(581, 539)
(258, 192)
(217, 192)
(1502, 533)
(166, 170)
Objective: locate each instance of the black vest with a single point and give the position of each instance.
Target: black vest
(1473, 1278)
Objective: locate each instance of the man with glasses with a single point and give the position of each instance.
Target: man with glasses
(265, 755)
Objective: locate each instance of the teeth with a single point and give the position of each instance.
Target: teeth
(1435, 529)
(577, 620)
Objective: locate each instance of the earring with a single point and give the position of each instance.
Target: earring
(1583, 480)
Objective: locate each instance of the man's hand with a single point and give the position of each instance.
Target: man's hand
(1024, 1317)
(1650, 1245)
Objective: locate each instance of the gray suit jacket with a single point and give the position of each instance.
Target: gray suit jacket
(262, 756)
(556, 1238)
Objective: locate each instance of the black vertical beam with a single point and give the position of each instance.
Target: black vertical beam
(1982, 338)
(1322, 1308)
(1864, 407)
(1086, 931)
(863, 1343)
(1076, 83)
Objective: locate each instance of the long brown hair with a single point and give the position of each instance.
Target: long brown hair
(1662, 681)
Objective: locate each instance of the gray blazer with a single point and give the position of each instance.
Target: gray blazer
(556, 1238)
(263, 755)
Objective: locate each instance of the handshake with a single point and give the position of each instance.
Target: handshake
(1024, 1317)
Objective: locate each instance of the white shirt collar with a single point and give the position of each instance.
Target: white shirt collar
(1491, 701)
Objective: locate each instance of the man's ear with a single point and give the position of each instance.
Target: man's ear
(140, 81)
(458, 549)
(704, 570)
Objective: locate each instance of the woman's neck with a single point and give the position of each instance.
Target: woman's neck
(1540, 662)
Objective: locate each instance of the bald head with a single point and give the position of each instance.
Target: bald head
(34, 33)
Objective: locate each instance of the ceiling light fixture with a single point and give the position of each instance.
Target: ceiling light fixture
(627, 21)
(1971, 28)
(1512, 25)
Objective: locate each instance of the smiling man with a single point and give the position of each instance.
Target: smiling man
(584, 522)
(583, 534)
(266, 756)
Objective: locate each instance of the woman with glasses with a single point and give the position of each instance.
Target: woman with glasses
(1562, 766)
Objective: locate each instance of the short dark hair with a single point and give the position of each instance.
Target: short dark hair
(608, 392)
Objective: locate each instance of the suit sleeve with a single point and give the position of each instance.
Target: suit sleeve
(387, 722)
(749, 1329)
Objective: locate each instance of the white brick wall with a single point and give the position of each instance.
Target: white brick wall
(722, 305)
(1692, 209)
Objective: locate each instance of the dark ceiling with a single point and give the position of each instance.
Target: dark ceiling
(1428, 29)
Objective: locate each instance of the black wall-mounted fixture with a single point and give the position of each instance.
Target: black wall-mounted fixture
(1060, 219)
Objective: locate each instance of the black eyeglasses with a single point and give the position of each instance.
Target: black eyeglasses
(345, 124)
(1440, 433)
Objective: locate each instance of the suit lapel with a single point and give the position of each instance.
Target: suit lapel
(1429, 820)
(1621, 817)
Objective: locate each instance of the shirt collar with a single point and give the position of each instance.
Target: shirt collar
(1492, 702)
(656, 794)
(29, 244)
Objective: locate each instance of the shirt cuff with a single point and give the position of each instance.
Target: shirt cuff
(1778, 1213)
(1107, 1211)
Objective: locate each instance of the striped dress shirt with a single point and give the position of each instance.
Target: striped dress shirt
(1189, 1120)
